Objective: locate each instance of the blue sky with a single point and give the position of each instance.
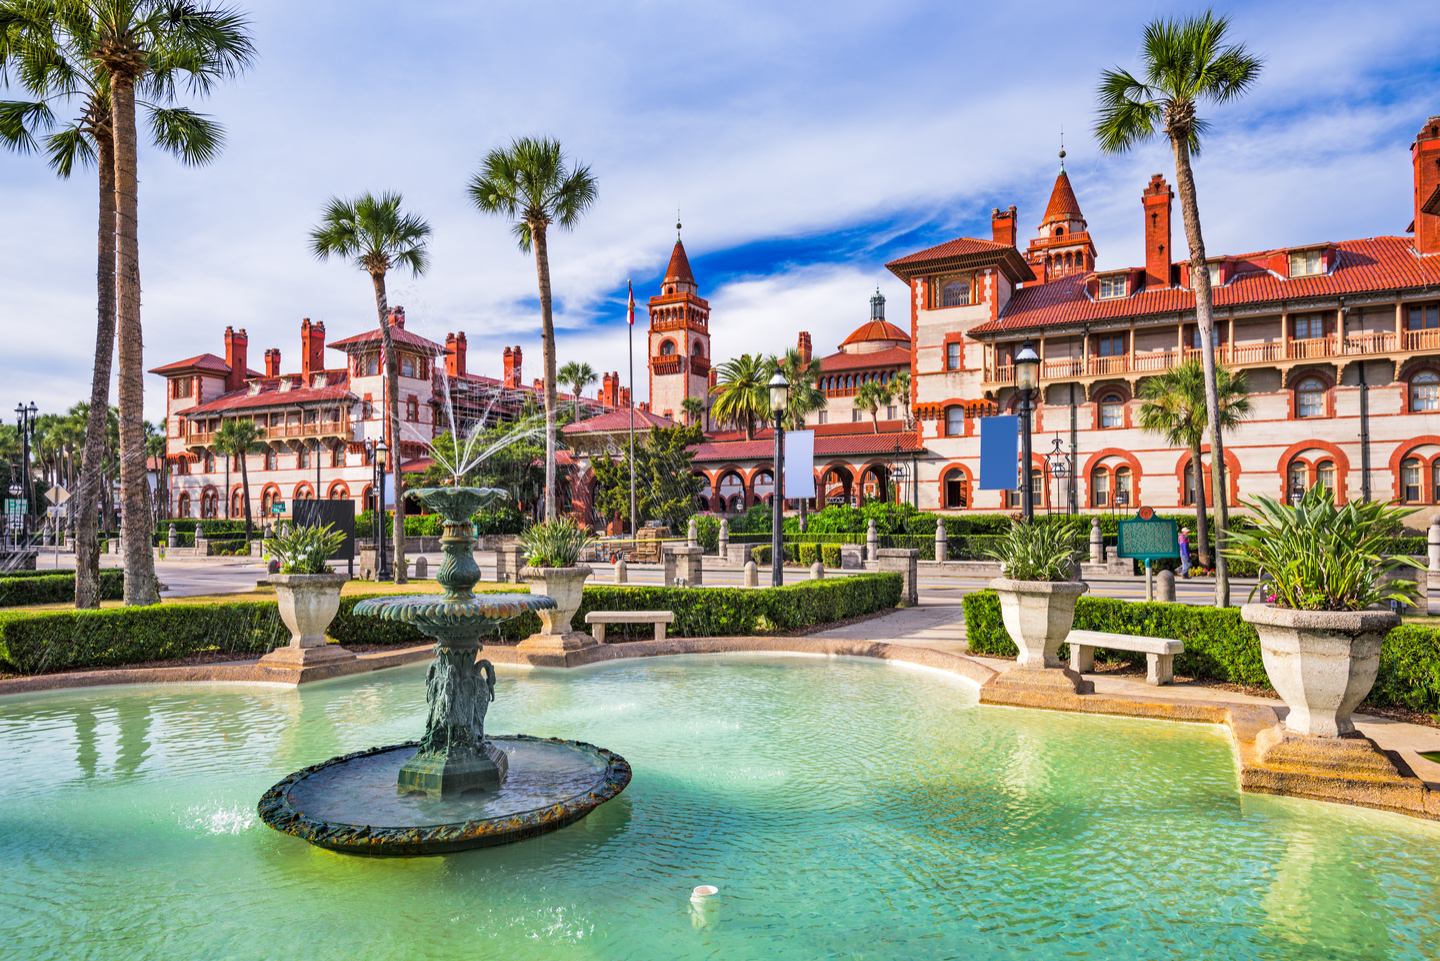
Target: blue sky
(805, 145)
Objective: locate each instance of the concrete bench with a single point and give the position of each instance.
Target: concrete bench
(1159, 652)
(598, 620)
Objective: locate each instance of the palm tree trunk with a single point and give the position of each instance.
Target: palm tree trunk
(392, 413)
(245, 493)
(547, 330)
(140, 584)
(1205, 318)
(87, 495)
(1202, 533)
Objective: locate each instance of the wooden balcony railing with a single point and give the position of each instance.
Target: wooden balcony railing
(1422, 339)
(323, 428)
(1312, 347)
(667, 364)
(1381, 343)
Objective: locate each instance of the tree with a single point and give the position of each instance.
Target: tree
(872, 396)
(577, 376)
(805, 399)
(741, 393)
(1173, 406)
(376, 236)
(666, 485)
(902, 393)
(236, 438)
(529, 184)
(693, 408)
(1185, 63)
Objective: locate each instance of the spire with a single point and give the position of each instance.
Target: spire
(877, 306)
(679, 270)
(1063, 205)
(1062, 148)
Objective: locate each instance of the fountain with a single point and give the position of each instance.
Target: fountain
(455, 788)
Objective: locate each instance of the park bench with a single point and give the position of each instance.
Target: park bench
(598, 620)
(1159, 652)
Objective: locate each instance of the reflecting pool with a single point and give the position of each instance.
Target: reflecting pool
(845, 808)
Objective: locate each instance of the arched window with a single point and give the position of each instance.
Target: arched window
(267, 500)
(1298, 481)
(1435, 479)
(957, 489)
(237, 502)
(1059, 231)
(1409, 479)
(210, 460)
(699, 350)
(182, 505)
(955, 421)
(955, 293)
(1425, 391)
(667, 349)
(1325, 475)
(1310, 398)
(1112, 411)
(1190, 484)
(1099, 487)
(1123, 487)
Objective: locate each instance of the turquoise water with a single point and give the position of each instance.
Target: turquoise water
(846, 809)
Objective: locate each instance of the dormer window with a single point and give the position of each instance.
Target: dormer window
(182, 387)
(955, 293)
(1112, 286)
(285, 384)
(1306, 263)
(254, 389)
(407, 366)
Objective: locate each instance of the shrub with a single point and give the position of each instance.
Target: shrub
(761, 554)
(830, 554)
(707, 531)
(305, 550)
(1037, 552)
(1409, 669)
(556, 543)
(55, 587)
(807, 554)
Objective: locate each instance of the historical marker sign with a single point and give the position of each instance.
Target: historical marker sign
(1147, 537)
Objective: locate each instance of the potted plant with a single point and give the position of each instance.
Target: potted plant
(309, 595)
(1037, 599)
(1327, 587)
(552, 550)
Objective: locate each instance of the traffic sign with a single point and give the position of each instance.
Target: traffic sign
(14, 507)
(57, 495)
(55, 511)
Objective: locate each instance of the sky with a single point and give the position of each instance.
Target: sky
(804, 145)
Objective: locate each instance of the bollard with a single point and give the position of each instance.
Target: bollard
(1097, 543)
(940, 541)
(620, 571)
(692, 534)
(1166, 589)
(422, 568)
(752, 574)
(872, 542)
(817, 571)
(724, 544)
(173, 538)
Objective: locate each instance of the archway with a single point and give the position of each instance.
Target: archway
(836, 484)
(732, 492)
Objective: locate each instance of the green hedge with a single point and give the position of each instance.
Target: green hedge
(35, 643)
(55, 587)
(1219, 645)
(830, 554)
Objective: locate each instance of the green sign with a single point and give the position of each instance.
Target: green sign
(15, 508)
(1148, 539)
(278, 507)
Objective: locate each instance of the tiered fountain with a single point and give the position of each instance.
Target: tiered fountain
(455, 788)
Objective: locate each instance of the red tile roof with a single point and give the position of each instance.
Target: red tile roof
(397, 333)
(963, 252)
(875, 330)
(1062, 201)
(891, 357)
(269, 396)
(617, 420)
(1376, 264)
(679, 269)
(202, 362)
(832, 446)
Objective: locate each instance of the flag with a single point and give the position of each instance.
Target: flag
(631, 288)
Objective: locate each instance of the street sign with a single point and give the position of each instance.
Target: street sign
(278, 507)
(57, 495)
(14, 507)
(1147, 537)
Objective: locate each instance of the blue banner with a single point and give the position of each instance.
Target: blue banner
(999, 453)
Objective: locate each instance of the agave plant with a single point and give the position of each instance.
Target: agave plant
(556, 543)
(304, 550)
(1318, 556)
(1037, 551)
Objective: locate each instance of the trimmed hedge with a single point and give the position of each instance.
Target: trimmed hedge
(830, 554)
(1219, 645)
(36, 643)
(54, 587)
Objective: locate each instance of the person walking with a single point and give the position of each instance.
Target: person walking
(1184, 552)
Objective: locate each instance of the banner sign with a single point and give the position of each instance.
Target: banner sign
(799, 464)
(999, 453)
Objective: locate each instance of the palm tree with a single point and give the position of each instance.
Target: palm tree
(528, 184)
(237, 438)
(902, 393)
(741, 392)
(872, 396)
(577, 376)
(692, 407)
(1173, 406)
(376, 236)
(1185, 63)
(805, 399)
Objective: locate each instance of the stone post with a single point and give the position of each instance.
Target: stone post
(904, 561)
(940, 539)
(872, 542)
(692, 534)
(422, 568)
(1097, 543)
(173, 538)
(1435, 546)
(817, 571)
(684, 563)
(724, 546)
(752, 574)
(668, 556)
(1165, 591)
(509, 559)
(621, 574)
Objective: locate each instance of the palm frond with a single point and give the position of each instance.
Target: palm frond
(1129, 112)
(19, 120)
(191, 136)
(67, 147)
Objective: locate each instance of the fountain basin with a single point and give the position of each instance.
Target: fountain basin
(350, 804)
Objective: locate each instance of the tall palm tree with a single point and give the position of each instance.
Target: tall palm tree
(741, 392)
(376, 236)
(529, 184)
(693, 408)
(1185, 63)
(805, 399)
(236, 438)
(872, 396)
(902, 393)
(577, 376)
(1173, 407)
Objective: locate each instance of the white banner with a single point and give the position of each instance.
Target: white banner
(799, 464)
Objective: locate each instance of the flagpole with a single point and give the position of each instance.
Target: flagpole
(634, 533)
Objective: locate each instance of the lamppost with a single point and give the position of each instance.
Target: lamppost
(1027, 376)
(25, 422)
(378, 451)
(1058, 462)
(779, 397)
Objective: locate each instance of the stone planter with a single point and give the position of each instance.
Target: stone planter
(1039, 615)
(308, 603)
(566, 586)
(1322, 663)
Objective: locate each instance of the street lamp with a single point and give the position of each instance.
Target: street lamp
(25, 423)
(779, 397)
(378, 450)
(1027, 378)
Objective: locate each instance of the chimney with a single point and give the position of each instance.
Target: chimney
(1158, 255)
(455, 355)
(312, 349)
(236, 351)
(512, 367)
(610, 390)
(397, 317)
(1002, 226)
(272, 362)
(1425, 153)
(624, 396)
(804, 345)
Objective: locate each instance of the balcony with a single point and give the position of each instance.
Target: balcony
(332, 429)
(667, 364)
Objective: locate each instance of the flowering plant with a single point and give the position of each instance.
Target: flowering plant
(304, 550)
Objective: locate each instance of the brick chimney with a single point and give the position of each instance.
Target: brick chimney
(397, 317)
(610, 390)
(1002, 226)
(272, 362)
(804, 345)
(1425, 152)
(236, 351)
(512, 367)
(312, 349)
(1158, 198)
(455, 355)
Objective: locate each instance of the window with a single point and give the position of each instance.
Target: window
(957, 489)
(667, 349)
(1303, 263)
(1410, 478)
(1213, 271)
(237, 502)
(1099, 488)
(1325, 476)
(182, 387)
(367, 409)
(1190, 485)
(1309, 326)
(1197, 341)
(1421, 318)
(182, 505)
(1112, 285)
(407, 366)
(209, 462)
(337, 456)
(890, 412)
(855, 416)
(270, 460)
(1112, 411)
(1425, 391)
(823, 417)
(952, 355)
(1310, 398)
(954, 422)
(1435, 480)
(302, 458)
(372, 365)
(954, 293)
(1122, 487)
(1111, 345)
(338, 493)
(1298, 481)
(412, 409)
